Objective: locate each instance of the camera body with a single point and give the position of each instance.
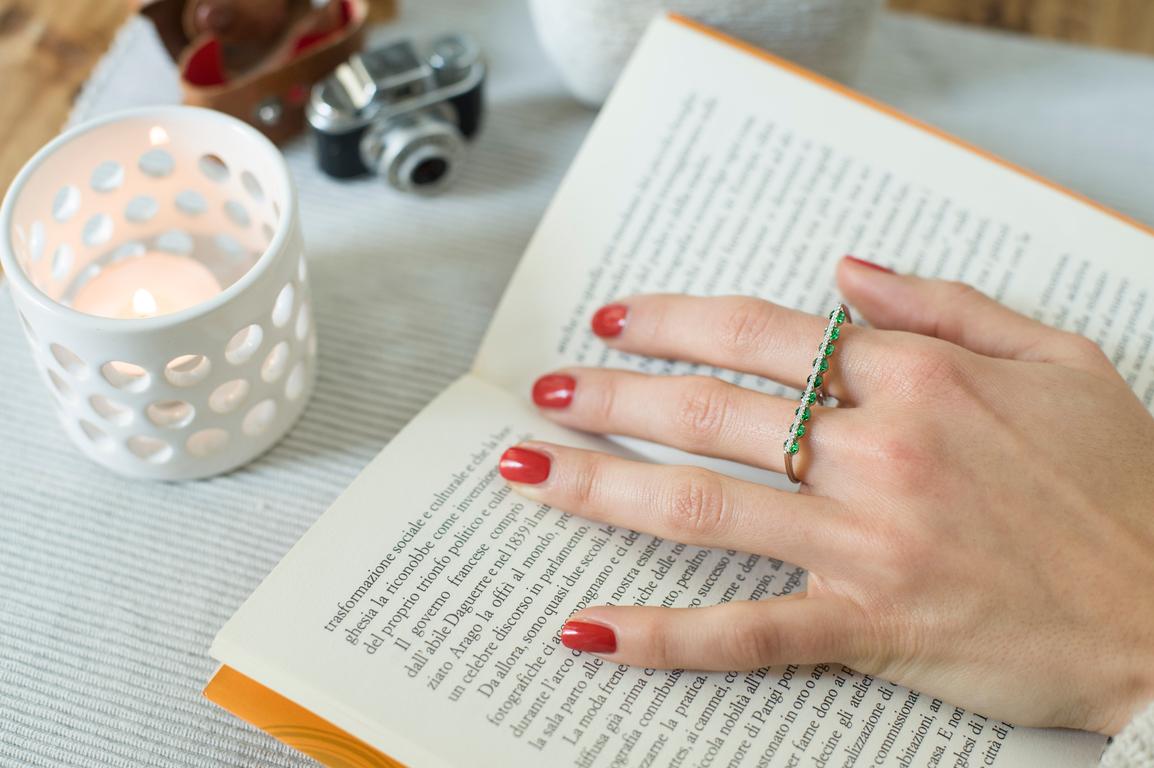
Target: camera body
(405, 117)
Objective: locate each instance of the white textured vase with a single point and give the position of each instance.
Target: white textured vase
(590, 40)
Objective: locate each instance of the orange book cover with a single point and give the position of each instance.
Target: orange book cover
(292, 723)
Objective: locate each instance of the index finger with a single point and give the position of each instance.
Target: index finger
(745, 334)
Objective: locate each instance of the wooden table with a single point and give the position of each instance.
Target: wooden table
(48, 48)
(1124, 24)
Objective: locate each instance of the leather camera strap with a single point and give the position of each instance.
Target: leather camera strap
(271, 94)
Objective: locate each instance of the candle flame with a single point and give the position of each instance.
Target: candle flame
(143, 303)
(157, 135)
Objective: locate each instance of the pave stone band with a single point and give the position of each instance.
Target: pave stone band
(813, 393)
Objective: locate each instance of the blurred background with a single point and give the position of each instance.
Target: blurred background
(48, 48)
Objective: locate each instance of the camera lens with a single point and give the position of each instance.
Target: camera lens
(415, 152)
(429, 171)
(424, 166)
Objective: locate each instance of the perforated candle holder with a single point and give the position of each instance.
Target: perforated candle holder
(156, 262)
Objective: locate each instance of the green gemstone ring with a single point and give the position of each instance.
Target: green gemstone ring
(813, 394)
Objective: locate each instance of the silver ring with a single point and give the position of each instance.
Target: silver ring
(814, 394)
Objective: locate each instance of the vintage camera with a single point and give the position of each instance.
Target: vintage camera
(400, 115)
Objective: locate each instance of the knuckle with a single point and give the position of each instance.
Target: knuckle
(955, 293)
(696, 507)
(746, 325)
(931, 368)
(702, 412)
(659, 648)
(898, 448)
(903, 455)
(877, 633)
(1085, 348)
(604, 407)
(854, 636)
(747, 648)
(585, 482)
(659, 324)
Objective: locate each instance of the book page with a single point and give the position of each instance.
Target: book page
(421, 614)
(713, 171)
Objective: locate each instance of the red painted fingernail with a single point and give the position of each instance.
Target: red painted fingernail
(609, 321)
(520, 465)
(554, 390)
(586, 636)
(869, 264)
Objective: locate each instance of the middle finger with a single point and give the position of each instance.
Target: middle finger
(698, 414)
(686, 504)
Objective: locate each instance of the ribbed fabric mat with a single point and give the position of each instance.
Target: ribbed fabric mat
(111, 590)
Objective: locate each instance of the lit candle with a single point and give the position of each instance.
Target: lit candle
(146, 286)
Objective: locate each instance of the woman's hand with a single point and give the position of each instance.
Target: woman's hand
(977, 517)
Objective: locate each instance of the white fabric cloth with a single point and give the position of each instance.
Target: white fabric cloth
(111, 590)
(1134, 746)
(590, 40)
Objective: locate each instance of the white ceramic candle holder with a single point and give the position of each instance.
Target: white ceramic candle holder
(156, 260)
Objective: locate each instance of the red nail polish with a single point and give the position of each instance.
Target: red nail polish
(869, 264)
(587, 636)
(609, 321)
(554, 390)
(520, 465)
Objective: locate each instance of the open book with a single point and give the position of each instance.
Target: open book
(418, 620)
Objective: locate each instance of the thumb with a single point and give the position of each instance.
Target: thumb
(958, 313)
(733, 636)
